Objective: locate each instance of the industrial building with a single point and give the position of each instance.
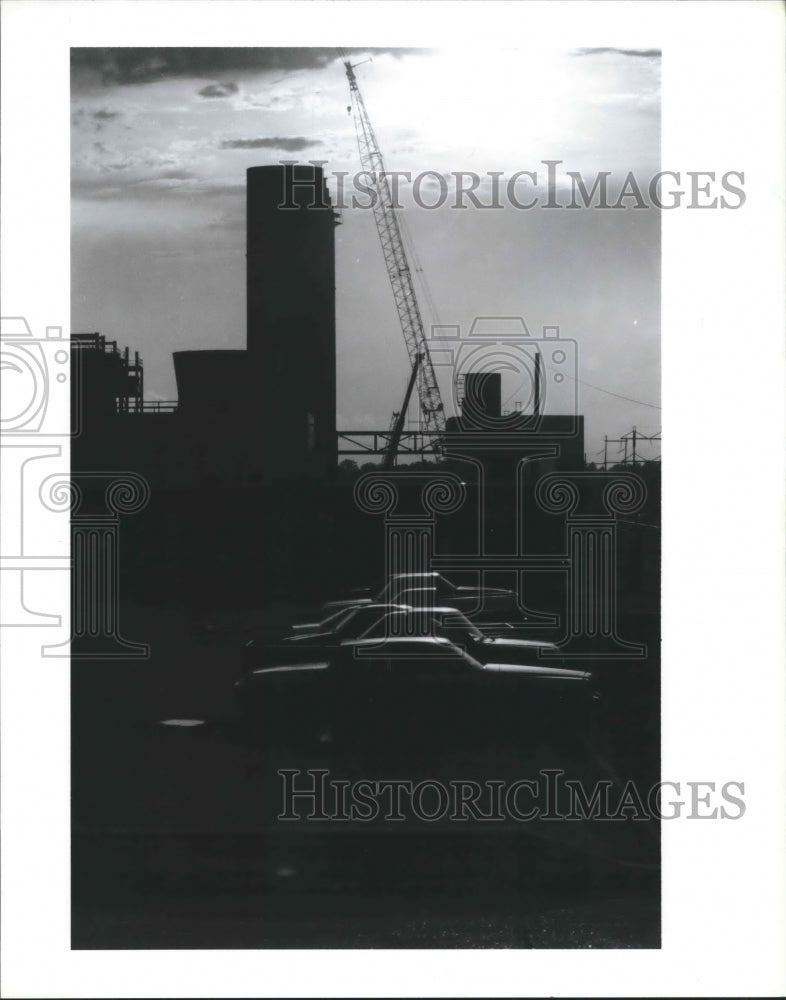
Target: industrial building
(242, 467)
(486, 434)
(242, 417)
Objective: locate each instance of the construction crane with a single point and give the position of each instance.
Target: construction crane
(397, 426)
(398, 269)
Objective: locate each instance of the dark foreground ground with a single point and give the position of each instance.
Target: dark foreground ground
(177, 844)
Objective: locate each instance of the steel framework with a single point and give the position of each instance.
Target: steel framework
(398, 269)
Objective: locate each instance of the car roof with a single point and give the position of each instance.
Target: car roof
(379, 606)
(428, 612)
(400, 576)
(435, 640)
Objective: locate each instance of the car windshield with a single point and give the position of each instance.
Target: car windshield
(356, 621)
(444, 622)
(334, 621)
(452, 623)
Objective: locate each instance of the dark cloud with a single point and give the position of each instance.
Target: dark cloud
(142, 65)
(218, 90)
(292, 145)
(104, 116)
(639, 53)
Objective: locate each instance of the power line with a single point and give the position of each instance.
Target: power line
(608, 392)
(629, 399)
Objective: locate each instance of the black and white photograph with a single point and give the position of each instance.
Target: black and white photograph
(382, 556)
(348, 610)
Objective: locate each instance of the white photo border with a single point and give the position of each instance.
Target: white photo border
(723, 558)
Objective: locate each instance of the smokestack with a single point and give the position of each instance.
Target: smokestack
(291, 329)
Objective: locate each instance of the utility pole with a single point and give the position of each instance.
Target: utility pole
(633, 437)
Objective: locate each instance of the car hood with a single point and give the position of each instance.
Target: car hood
(553, 673)
(288, 668)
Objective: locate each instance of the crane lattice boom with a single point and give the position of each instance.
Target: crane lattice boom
(396, 263)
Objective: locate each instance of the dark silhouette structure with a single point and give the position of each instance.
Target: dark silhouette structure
(483, 432)
(264, 415)
(109, 380)
(291, 327)
(242, 509)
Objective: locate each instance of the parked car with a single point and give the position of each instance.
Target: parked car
(360, 614)
(452, 624)
(384, 620)
(486, 600)
(423, 689)
(317, 637)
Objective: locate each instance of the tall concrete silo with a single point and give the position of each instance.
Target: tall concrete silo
(291, 329)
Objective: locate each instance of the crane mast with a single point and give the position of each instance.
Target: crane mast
(397, 427)
(396, 262)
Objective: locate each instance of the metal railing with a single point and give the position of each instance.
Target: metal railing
(146, 406)
(377, 442)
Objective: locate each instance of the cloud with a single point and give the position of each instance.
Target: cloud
(638, 53)
(291, 145)
(120, 66)
(217, 189)
(171, 175)
(104, 116)
(135, 186)
(144, 65)
(214, 90)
